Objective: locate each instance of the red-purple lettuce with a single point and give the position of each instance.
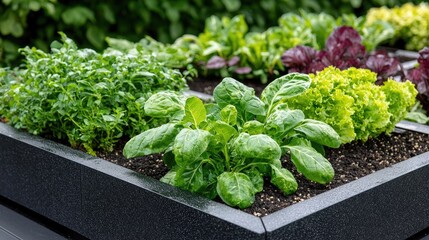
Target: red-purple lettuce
(420, 77)
(217, 62)
(343, 49)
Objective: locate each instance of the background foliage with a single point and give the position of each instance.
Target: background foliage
(411, 23)
(88, 22)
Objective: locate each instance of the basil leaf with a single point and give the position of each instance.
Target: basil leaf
(319, 132)
(258, 146)
(199, 177)
(190, 177)
(311, 164)
(230, 91)
(195, 112)
(253, 104)
(228, 114)
(222, 131)
(253, 127)
(154, 140)
(285, 87)
(280, 122)
(190, 144)
(256, 178)
(213, 111)
(236, 189)
(283, 179)
(169, 177)
(164, 104)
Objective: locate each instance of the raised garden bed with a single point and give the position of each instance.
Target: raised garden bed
(101, 200)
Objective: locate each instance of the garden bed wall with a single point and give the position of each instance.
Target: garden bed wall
(101, 200)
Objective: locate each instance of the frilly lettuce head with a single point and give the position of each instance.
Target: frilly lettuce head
(351, 102)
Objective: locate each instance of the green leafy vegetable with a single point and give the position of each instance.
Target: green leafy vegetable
(282, 121)
(284, 180)
(152, 141)
(229, 115)
(258, 146)
(195, 111)
(232, 92)
(163, 104)
(226, 47)
(236, 189)
(409, 22)
(226, 148)
(417, 114)
(319, 132)
(90, 99)
(285, 87)
(190, 144)
(353, 104)
(253, 127)
(311, 164)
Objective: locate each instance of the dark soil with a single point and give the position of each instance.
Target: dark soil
(350, 161)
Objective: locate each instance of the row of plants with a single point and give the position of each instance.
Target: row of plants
(36, 22)
(409, 21)
(82, 127)
(227, 47)
(343, 48)
(89, 99)
(226, 148)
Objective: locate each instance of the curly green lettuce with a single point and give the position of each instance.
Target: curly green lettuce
(409, 21)
(401, 98)
(351, 102)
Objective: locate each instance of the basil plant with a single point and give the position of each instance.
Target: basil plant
(226, 148)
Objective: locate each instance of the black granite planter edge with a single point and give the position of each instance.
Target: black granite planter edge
(392, 203)
(202, 218)
(99, 186)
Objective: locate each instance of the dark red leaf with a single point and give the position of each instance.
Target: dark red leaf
(341, 34)
(420, 77)
(233, 61)
(216, 62)
(424, 60)
(243, 70)
(382, 64)
(298, 59)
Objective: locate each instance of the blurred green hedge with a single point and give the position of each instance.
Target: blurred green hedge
(88, 22)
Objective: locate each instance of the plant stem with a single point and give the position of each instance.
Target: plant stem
(225, 153)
